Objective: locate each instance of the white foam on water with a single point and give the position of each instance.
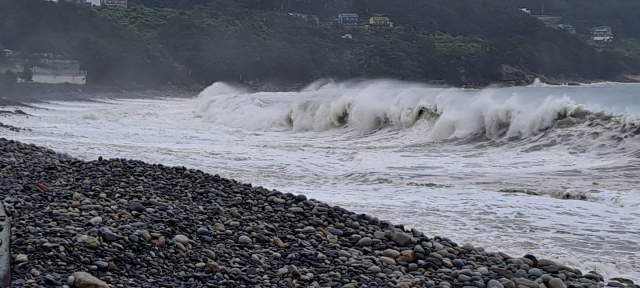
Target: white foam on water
(430, 158)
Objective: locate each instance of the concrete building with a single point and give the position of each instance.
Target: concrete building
(50, 70)
(604, 34)
(50, 76)
(114, 3)
(348, 19)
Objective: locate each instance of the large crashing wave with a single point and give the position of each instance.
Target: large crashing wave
(436, 113)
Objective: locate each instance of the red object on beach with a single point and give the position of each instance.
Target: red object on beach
(41, 186)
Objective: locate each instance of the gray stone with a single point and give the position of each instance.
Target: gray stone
(387, 260)
(309, 229)
(96, 220)
(343, 253)
(594, 277)
(545, 278)
(294, 271)
(88, 241)
(527, 283)
(391, 253)
(468, 247)
(366, 241)
(521, 274)
(107, 235)
(507, 283)
(181, 239)
(379, 234)
(244, 240)
(402, 239)
(465, 272)
(556, 283)
(86, 280)
(494, 284)
(22, 258)
(622, 280)
(457, 263)
(283, 271)
(503, 272)
(464, 278)
(535, 272)
(374, 269)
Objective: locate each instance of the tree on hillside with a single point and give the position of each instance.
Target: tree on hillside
(2, 55)
(26, 75)
(7, 81)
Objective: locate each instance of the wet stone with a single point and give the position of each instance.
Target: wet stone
(203, 231)
(244, 240)
(133, 224)
(401, 238)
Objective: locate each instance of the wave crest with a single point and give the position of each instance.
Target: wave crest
(433, 113)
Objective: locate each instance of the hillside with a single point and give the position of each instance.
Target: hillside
(201, 41)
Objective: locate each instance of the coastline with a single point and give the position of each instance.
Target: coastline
(23, 94)
(129, 223)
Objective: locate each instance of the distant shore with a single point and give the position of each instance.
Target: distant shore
(23, 94)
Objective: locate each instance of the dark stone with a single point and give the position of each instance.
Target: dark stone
(533, 259)
(136, 206)
(102, 265)
(260, 238)
(457, 263)
(107, 235)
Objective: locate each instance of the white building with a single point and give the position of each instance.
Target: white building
(56, 71)
(114, 3)
(604, 34)
(50, 76)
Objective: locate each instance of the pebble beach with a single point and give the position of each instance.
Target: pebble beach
(126, 223)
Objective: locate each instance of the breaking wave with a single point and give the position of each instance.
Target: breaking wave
(432, 113)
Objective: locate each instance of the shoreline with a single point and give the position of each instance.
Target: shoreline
(34, 93)
(123, 220)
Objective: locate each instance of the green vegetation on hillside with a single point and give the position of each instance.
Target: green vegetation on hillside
(621, 15)
(200, 41)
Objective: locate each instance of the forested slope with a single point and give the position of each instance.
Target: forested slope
(200, 41)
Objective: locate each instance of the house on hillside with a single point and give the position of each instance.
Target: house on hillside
(567, 27)
(348, 19)
(77, 2)
(9, 53)
(604, 34)
(380, 22)
(48, 68)
(114, 3)
(53, 76)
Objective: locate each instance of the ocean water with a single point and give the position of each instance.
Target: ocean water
(549, 170)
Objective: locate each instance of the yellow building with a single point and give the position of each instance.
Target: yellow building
(380, 22)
